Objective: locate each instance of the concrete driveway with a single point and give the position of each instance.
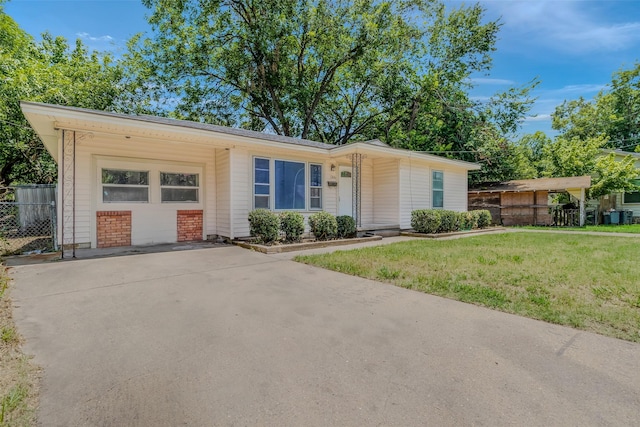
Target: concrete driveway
(225, 336)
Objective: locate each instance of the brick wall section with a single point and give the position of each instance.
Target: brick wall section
(189, 225)
(114, 228)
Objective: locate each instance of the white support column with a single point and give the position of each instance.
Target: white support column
(582, 207)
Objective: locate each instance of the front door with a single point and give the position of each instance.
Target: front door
(345, 192)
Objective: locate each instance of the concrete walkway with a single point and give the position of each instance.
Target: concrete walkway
(226, 336)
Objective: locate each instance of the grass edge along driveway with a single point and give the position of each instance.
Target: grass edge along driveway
(586, 282)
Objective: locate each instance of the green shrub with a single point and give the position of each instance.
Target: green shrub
(449, 221)
(292, 225)
(468, 220)
(425, 220)
(346, 226)
(265, 225)
(323, 225)
(484, 218)
(476, 216)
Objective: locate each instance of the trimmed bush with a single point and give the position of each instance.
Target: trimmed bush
(346, 226)
(476, 216)
(468, 221)
(425, 220)
(265, 225)
(449, 221)
(484, 218)
(292, 225)
(323, 225)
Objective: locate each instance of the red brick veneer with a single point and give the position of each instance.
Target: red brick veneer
(189, 225)
(114, 228)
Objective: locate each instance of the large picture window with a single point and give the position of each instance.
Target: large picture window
(289, 185)
(179, 187)
(634, 196)
(261, 180)
(282, 185)
(122, 186)
(437, 187)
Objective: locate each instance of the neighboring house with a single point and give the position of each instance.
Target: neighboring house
(623, 201)
(527, 201)
(134, 180)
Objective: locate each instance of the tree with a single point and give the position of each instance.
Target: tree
(614, 113)
(46, 71)
(331, 70)
(577, 157)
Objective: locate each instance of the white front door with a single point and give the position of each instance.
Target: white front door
(345, 192)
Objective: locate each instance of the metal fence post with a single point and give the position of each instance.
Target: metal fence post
(54, 225)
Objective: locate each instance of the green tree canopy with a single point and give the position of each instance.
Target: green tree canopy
(47, 71)
(614, 113)
(330, 70)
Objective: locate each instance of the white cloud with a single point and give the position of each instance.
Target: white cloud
(489, 81)
(87, 36)
(568, 26)
(538, 118)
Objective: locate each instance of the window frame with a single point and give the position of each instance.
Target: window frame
(179, 187)
(267, 184)
(315, 187)
(632, 193)
(439, 190)
(271, 196)
(104, 185)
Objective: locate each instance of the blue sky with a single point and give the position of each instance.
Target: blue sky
(572, 46)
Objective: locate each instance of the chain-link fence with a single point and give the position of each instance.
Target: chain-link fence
(27, 220)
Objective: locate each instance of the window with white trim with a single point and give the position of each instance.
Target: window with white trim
(261, 183)
(282, 185)
(125, 186)
(437, 189)
(315, 186)
(179, 187)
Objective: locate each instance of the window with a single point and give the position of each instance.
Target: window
(121, 186)
(315, 187)
(437, 187)
(179, 187)
(261, 183)
(286, 182)
(289, 185)
(634, 196)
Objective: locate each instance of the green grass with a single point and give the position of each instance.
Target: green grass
(634, 228)
(587, 282)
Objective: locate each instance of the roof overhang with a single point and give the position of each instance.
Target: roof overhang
(386, 152)
(573, 183)
(49, 120)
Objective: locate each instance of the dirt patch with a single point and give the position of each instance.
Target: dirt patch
(19, 377)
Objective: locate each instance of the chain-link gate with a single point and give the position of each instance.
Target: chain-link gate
(27, 221)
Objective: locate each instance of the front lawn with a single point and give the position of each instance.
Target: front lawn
(587, 282)
(634, 228)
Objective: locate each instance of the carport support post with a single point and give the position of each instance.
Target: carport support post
(582, 207)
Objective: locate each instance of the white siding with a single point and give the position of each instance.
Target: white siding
(223, 193)
(455, 190)
(329, 194)
(366, 193)
(89, 150)
(241, 192)
(415, 190)
(386, 188)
